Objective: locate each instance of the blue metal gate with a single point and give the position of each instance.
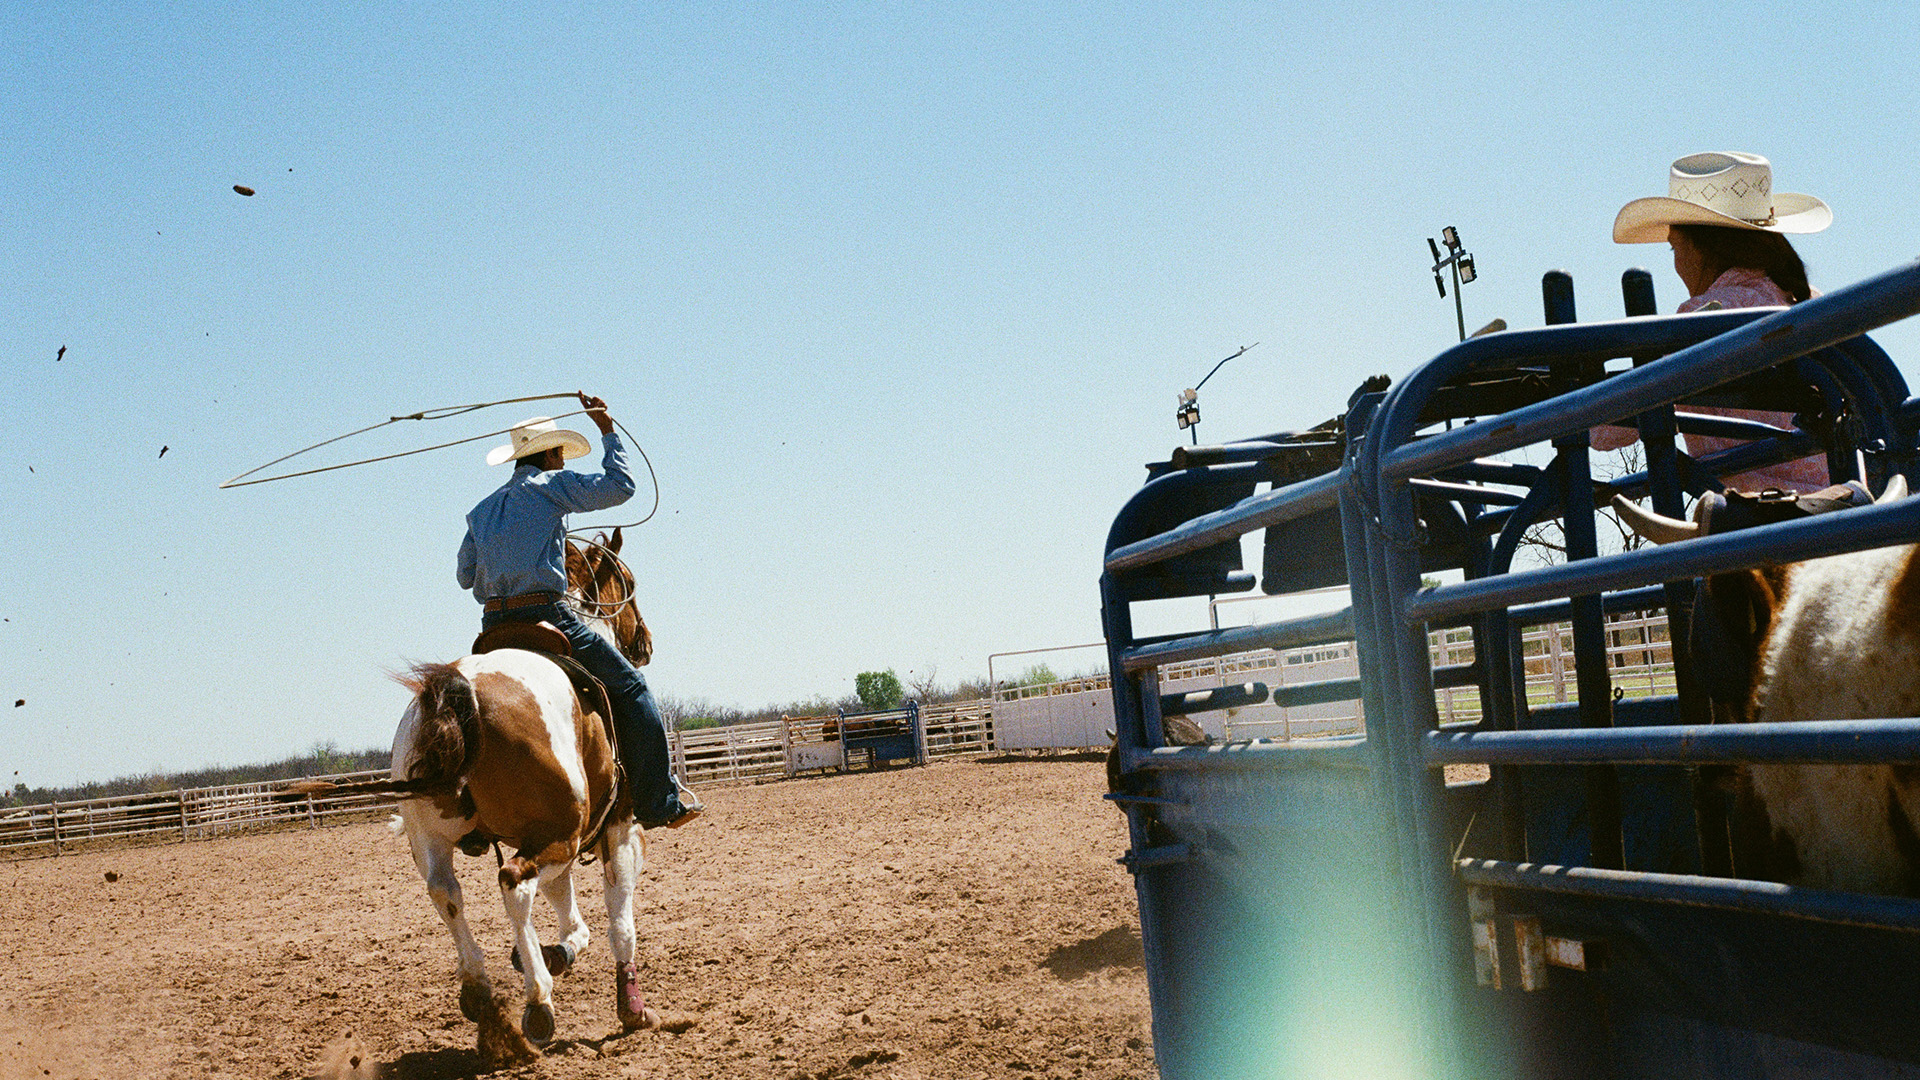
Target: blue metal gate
(1333, 907)
(883, 735)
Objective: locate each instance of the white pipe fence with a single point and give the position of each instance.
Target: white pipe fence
(743, 752)
(1639, 659)
(1076, 711)
(186, 814)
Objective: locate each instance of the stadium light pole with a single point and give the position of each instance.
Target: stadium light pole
(1463, 272)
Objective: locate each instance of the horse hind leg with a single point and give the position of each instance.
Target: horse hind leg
(433, 857)
(574, 932)
(622, 857)
(519, 877)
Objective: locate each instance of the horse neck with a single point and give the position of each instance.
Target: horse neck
(597, 616)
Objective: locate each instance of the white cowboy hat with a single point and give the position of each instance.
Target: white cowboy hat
(540, 433)
(1732, 190)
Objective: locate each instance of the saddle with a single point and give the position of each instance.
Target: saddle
(547, 640)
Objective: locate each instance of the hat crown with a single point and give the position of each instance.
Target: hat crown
(1735, 184)
(524, 431)
(533, 435)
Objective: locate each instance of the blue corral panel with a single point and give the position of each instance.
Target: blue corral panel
(1575, 908)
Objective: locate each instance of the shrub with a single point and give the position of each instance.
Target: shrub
(879, 689)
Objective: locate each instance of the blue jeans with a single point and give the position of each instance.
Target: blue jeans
(636, 719)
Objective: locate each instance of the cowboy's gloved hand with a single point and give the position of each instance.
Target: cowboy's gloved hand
(596, 410)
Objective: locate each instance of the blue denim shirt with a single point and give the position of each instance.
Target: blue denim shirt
(516, 537)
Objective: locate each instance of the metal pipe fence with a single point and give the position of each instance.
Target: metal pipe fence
(742, 753)
(1639, 664)
(1639, 656)
(184, 814)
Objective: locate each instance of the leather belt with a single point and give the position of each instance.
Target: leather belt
(528, 599)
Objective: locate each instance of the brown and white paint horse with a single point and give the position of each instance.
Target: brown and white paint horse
(498, 748)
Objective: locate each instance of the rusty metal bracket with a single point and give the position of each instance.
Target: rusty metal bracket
(1534, 950)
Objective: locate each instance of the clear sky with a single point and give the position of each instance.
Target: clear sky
(897, 297)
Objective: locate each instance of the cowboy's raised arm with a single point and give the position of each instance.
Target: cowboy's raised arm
(613, 485)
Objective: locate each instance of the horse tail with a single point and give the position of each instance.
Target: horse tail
(449, 726)
(443, 742)
(449, 722)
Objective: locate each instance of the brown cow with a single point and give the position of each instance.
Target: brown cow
(1834, 638)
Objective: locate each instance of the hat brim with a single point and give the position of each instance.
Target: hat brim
(1645, 221)
(572, 444)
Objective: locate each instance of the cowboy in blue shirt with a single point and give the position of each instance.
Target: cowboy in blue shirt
(514, 561)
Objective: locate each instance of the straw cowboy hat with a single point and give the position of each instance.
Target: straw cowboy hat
(539, 433)
(1732, 190)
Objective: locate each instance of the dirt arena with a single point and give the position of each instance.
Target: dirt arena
(965, 919)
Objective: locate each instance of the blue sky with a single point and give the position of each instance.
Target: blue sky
(897, 298)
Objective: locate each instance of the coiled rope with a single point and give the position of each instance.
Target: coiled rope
(443, 413)
(600, 607)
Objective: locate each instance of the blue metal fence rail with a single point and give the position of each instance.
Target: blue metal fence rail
(1218, 829)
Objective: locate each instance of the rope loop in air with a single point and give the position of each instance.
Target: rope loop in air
(442, 413)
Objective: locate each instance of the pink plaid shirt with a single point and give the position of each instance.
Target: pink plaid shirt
(1737, 288)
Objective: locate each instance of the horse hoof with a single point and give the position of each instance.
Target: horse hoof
(474, 999)
(536, 1023)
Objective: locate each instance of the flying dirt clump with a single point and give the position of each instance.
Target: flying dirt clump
(501, 1045)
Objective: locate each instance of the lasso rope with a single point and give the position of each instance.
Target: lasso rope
(443, 413)
(599, 607)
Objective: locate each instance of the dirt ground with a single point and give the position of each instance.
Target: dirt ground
(965, 919)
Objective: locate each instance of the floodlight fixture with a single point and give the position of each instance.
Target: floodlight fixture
(1461, 262)
(1187, 410)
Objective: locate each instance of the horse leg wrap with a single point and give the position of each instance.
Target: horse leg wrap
(536, 1023)
(632, 1005)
